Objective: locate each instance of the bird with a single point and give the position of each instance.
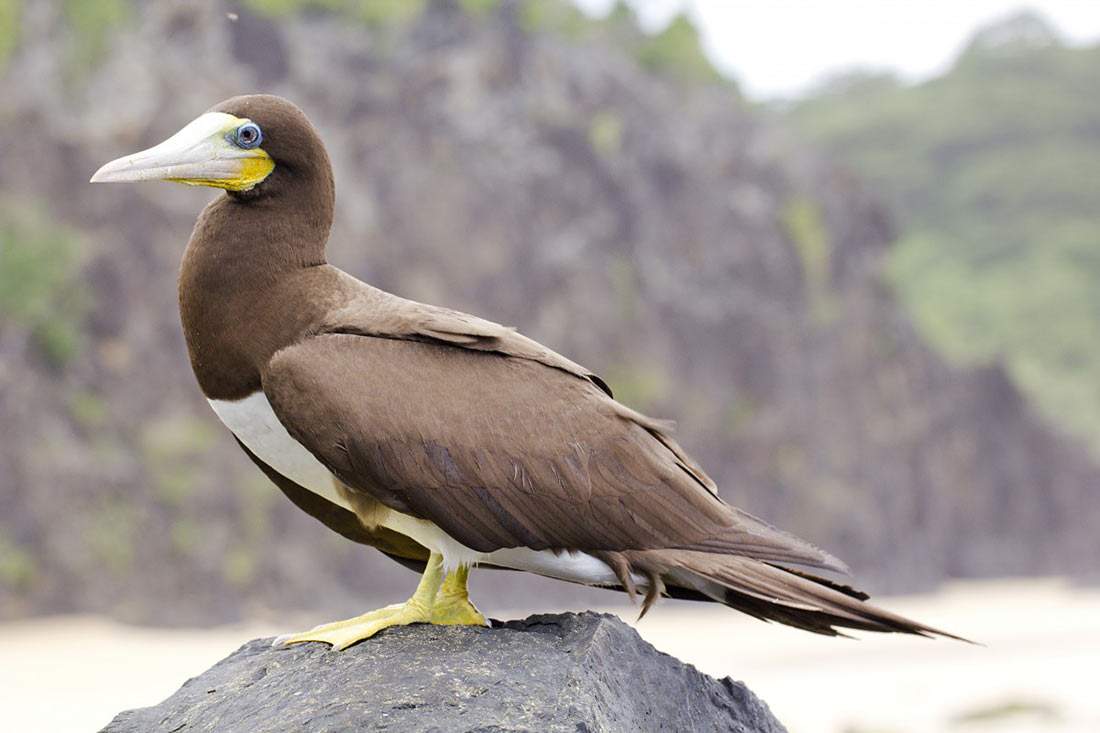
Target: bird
(444, 440)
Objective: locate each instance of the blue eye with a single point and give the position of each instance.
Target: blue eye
(248, 136)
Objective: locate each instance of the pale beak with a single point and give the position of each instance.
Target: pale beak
(201, 154)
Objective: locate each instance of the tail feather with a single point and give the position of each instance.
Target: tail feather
(753, 537)
(766, 591)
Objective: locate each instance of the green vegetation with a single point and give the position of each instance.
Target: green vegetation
(177, 437)
(93, 23)
(171, 446)
(533, 14)
(605, 132)
(239, 566)
(803, 225)
(477, 7)
(258, 499)
(17, 566)
(740, 415)
(40, 289)
(86, 407)
(677, 50)
(372, 12)
(622, 273)
(993, 170)
(284, 8)
(380, 12)
(110, 531)
(554, 15)
(186, 536)
(638, 386)
(9, 29)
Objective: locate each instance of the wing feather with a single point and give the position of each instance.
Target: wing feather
(501, 451)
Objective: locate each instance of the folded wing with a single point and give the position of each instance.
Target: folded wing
(502, 450)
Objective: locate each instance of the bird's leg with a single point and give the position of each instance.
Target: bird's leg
(452, 602)
(416, 610)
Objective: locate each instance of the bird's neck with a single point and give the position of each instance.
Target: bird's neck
(245, 261)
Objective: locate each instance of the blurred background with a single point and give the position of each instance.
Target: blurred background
(852, 248)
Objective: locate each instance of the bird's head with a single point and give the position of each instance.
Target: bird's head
(236, 145)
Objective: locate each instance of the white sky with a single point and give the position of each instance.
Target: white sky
(777, 48)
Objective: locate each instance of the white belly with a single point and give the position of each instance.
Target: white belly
(255, 424)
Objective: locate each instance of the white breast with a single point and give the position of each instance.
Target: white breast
(255, 424)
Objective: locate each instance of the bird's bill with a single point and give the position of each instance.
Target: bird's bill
(201, 154)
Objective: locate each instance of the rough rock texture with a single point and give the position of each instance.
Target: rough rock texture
(578, 673)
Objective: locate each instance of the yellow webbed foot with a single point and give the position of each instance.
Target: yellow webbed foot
(452, 602)
(438, 600)
(342, 634)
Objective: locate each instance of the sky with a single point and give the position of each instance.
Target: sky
(780, 48)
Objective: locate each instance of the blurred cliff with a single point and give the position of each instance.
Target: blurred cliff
(991, 169)
(600, 189)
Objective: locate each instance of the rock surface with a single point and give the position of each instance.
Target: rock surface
(579, 673)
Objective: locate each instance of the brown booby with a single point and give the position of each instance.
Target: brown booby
(442, 439)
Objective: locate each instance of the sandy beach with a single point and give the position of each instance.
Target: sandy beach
(1035, 670)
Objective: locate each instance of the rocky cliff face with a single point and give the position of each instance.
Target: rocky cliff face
(650, 227)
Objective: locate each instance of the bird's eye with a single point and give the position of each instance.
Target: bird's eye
(249, 135)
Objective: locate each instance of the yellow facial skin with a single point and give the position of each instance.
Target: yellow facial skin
(251, 170)
(201, 154)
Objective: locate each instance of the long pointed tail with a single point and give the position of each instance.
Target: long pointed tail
(764, 590)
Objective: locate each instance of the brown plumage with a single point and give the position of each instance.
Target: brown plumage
(444, 417)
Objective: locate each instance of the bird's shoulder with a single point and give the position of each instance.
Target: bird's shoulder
(369, 311)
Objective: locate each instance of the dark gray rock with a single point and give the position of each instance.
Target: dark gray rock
(583, 673)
